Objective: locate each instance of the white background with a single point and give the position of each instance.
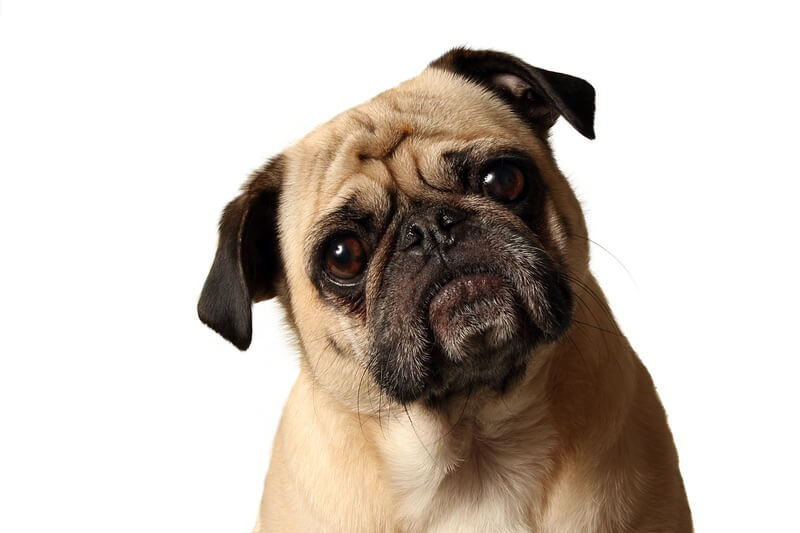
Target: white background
(125, 127)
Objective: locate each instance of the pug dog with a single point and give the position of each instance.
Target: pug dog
(460, 368)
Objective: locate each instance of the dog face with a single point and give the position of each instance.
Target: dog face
(424, 244)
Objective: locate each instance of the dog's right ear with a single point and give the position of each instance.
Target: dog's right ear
(247, 265)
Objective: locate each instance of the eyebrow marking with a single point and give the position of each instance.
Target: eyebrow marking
(461, 163)
(421, 176)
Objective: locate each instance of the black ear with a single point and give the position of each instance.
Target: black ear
(538, 95)
(247, 265)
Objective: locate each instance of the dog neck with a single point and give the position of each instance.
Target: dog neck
(483, 462)
(468, 466)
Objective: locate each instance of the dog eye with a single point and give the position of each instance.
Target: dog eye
(504, 181)
(345, 257)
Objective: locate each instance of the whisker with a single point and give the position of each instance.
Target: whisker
(329, 334)
(596, 298)
(331, 360)
(594, 317)
(314, 381)
(608, 354)
(358, 399)
(380, 401)
(606, 250)
(586, 364)
(597, 328)
(413, 427)
(508, 408)
(599, 300)
(460, 417)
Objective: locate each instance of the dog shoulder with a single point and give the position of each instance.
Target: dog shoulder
(323, 474)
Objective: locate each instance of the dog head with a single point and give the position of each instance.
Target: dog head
(424, 243)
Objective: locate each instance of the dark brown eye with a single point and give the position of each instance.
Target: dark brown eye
(504, 181)
(345, 257)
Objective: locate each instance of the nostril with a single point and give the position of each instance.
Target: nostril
(413, 235)
(449, 218)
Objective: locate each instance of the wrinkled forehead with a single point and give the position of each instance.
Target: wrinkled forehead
(399, 146)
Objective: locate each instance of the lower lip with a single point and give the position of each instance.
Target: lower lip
(462, 291)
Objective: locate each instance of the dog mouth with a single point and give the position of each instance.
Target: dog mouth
(467, 326)
(476, 325)
(462, 292)
(472, 312)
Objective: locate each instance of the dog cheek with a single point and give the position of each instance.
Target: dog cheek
(400, 370)
(550, 302)
(400, 350)
(543, 290)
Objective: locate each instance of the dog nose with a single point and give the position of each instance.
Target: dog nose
(430, 228)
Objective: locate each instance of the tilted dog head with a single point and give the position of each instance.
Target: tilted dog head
(424, 243)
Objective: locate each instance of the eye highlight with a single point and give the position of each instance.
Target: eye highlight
(504, 181)
(345, 257)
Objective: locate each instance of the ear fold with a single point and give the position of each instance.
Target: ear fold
(247, 264)
(537, 95)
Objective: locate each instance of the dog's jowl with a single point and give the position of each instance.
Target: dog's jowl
(460, 370)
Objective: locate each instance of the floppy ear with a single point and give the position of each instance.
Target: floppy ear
(538, 96)
(247, 265)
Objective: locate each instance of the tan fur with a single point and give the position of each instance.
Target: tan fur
(581, 444)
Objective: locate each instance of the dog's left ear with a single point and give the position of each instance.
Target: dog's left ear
(247, 265)
(537, 95)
